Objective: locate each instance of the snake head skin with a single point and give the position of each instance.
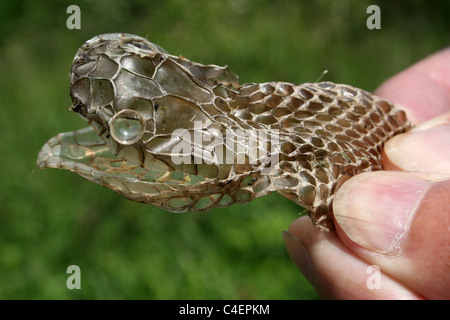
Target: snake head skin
(188, 137)
(135, 95)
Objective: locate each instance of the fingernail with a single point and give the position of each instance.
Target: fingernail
(421, 150)
(375, 209)
(298, 253)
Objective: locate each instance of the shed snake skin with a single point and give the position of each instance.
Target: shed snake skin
(188, 137)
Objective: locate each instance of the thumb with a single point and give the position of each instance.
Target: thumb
(399, 222)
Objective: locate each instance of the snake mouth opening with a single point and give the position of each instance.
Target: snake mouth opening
(87, 154)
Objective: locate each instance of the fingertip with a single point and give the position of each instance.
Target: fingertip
(422, 150)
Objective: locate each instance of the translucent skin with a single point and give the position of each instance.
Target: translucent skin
(309, 138)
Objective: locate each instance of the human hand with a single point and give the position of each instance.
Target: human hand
(393, 227)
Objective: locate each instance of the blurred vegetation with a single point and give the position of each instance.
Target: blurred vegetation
(51, 219)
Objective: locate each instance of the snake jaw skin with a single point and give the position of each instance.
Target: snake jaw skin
(137, 97)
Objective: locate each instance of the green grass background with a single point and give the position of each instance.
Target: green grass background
(50, 219)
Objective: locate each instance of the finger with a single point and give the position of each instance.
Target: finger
(399, 222)
(333, 270)
(422, 90)
(424, 149)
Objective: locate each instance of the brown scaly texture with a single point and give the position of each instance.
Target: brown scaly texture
(307, 139)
